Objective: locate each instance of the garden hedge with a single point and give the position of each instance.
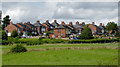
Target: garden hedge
(94, 41)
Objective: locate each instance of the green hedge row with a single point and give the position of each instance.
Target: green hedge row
(40, 41)
(34, 41)
(94, 41)
(4, 42)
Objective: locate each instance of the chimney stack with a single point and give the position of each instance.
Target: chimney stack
(38, 21)
(28, 22)
(93, 23)
(70, 23)
(11, 23)
(100, 24)
(47, 21)
(21, 22)
(83, 23)
(77, 22)
(55, 21)
(63, 23)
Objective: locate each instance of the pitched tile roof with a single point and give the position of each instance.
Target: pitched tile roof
(55, 24)
(60, 26)
(77, 26)
(38, 24)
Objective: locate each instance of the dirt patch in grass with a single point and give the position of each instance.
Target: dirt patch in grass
(73, 48)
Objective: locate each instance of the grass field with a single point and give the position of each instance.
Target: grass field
(63, 54)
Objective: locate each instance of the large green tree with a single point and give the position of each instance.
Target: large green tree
(6, 21)
(111, 26)
(86, 33)
(4, 35)
(14, 34)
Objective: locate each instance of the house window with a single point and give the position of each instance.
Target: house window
(58, 30)
(52, 31)
(32, 28)
(61, 34)
(51, 27)
(18, 30)
(43, 29)
(6, 31)
(35, 28)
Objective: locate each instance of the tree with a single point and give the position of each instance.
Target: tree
(86, 33)
(28, 33)
(111, 26)
(117, 34)
(14, 34)
(0, 16)
(47, 33)
(6, 21)
(20, 34)
(4, 35)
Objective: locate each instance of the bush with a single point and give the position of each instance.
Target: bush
(86, 34)
(34, 42)
(4, 35)
(18, 48)
(94, 41)
(12, 40)
(52, 40)
(14, 34)
(4, 42)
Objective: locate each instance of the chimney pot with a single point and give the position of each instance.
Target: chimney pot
(55, 21)
(93, 23)
(100, 24)
(70, 23)
(38, 21)
(21, 22)
(47, 21)
(28, 22)
(77, 22)
(83, 23)
(63, 23)
(11, 23)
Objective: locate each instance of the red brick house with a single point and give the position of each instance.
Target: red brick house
(79, 27)
(69, 28)
(40, 28)
(103, 28)
(32, 28)
(96, 31)
(48, 26)
(11, 27)
(59, 32)
(24, 28)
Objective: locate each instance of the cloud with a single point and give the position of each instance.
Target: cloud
(60, 0)
(93, 11)
(23, 12)
(62, 11)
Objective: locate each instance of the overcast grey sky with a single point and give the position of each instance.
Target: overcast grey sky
(98, 12)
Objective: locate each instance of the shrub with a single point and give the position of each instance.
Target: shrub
(4, 42)
(14, 34)
(52, 40)
(18, 48)
(94, 41)
(4, 35)
(34, 42)
(28, 33)
(20, 34)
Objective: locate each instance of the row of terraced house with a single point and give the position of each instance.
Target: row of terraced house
(57, 30)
